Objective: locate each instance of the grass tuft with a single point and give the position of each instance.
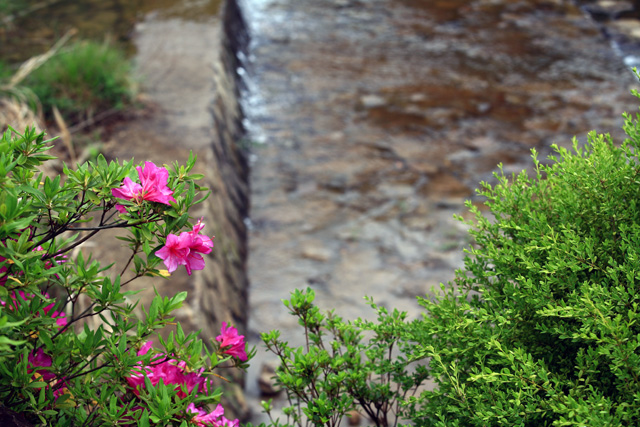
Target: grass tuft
(83, 80)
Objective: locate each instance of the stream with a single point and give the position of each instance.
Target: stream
(373, 121)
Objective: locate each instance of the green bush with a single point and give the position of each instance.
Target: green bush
(541, 327)
(343, 366)
(82, 80)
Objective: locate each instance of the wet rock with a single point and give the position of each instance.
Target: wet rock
(316, 252)
(429, 286)
(396, 191)
(628, 27)
(336, 183)
(605, 10)
(461, 156)
(344, 3)
(482, 143)
(372, 101)
(321, 281)
(399, 108)
(450, 203)
(266, 380)
(420, 223)
(354, 418)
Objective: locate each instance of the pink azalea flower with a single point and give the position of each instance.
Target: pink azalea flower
(170, 372)
(15, 301)
(40, 360)
(153, 187)
(136, 380)
(191, 381)
(194, 259)
(231, 343)
(154, 183)
(145, 348)
(198, 244)
(61, 259)
(212, 419)
(3, 271)
(186, 249)
(129, 190)
(174, 252)
(137, 377)
(61, 318)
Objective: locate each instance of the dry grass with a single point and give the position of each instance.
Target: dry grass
(18, 115)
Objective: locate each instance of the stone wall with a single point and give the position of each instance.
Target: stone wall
(223, 286)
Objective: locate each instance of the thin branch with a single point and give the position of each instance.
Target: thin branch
(133, 254)
(93, 120)
(121, 224)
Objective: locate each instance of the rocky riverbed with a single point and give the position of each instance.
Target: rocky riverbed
(371, 122)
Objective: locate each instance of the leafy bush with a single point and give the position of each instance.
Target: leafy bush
(541, 327)
(82, 80)
(343, 366)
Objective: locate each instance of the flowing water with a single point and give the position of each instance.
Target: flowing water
(372, 122)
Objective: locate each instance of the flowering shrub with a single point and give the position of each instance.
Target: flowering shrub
(54, 368)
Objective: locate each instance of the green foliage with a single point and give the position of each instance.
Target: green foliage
(82, 80)
(541, 327)
(5, 71)
(8, 7)
(343, 366)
